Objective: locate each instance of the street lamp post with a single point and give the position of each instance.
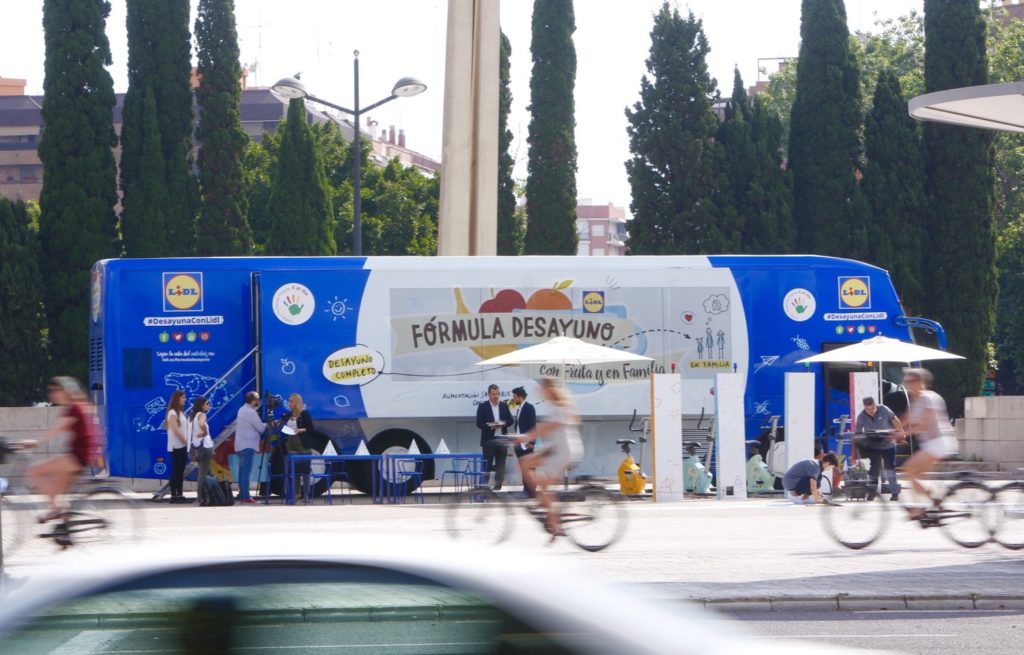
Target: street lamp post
(291, 87)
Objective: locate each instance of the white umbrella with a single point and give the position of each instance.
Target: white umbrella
(564, 351)
(880, 349)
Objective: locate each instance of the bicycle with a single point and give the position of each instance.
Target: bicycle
(592, 518)
(97, 512)
(1008, 529)
(963, 512)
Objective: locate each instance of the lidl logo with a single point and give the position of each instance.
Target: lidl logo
(593, 302)
(183, 292)
(855, 292)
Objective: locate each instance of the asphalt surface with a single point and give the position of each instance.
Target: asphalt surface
(762, 554)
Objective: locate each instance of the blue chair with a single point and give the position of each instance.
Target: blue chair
(333, 472)
(406, 470)
(476, 472)
(459, 466)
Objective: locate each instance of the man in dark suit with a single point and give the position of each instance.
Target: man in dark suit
(495, 413)
(524, 419)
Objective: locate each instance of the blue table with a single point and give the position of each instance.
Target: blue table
(377, 492)
(391, 461)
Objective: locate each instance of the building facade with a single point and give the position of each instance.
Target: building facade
(601, 229)
(21, 125)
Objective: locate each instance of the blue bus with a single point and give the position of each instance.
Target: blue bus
(384, 349)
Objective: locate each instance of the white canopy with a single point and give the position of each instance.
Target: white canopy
(988, 106)
(880, 349)
(565, 351)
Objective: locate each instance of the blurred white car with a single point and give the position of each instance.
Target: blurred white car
(293, 593)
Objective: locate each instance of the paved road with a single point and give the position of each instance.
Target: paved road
(993, 632)
(765, 551)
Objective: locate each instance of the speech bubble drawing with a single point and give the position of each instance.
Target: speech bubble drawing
(354, 365)
(716, 304)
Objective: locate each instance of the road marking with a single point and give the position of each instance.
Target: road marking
(90, 641)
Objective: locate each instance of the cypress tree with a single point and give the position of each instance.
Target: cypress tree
(750, 136)
(77, 226)
(676, 173)
(21, 303)
(824, 141)
(551, 174)
(222, 227)
(959, 183)
(303, 220)
(894, 187)
(159, 58)
(143, 221)
(510, 232)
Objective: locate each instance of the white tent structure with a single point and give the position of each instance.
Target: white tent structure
(988, 106)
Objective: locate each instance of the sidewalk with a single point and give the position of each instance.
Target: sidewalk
(762, 553)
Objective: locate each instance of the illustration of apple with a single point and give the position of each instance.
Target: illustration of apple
(551, 298)
(506, 300)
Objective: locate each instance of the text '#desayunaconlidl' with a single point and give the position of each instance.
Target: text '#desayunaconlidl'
(436, 332)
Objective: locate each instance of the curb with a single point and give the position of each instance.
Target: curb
(848, 603)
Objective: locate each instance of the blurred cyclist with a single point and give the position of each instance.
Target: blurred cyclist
(55, 476)
(560, 448)
(928, 421)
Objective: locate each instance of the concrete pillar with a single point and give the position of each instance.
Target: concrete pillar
(468, 217)
(730, 437)
(667, 437)
(799, 418)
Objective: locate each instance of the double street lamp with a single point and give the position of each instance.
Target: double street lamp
(406, 87)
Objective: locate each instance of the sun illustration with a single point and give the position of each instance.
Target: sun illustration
(337, 307)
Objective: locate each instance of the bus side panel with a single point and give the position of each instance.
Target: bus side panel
(179, 327)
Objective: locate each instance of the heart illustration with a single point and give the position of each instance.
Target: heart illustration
(204, 336)
(688, 317)
(178, 336)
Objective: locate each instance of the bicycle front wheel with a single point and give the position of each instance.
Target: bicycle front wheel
(104, 516)
(856, 524)
(1009, 516)
(592, 518)
(965, 514)
(480, 516)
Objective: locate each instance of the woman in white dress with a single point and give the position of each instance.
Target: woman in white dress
(561, 448)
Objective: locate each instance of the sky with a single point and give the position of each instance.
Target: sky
(396, 38)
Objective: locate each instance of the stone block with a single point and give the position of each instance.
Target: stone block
(1011, 407)
(969, 447)
(1010, 430)
(1011, 451)
(1011, 469)
(975, 407)
(990, 451)
(970, 428)
(23, 418)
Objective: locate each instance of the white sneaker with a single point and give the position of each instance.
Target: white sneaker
(796, 500)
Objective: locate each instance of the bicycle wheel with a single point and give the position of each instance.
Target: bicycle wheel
(1008, 516)
(965, 514)
(592, 518)
(103, 515)
(858, 523)
(479, 515)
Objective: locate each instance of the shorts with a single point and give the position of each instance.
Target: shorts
(802, 487)
(553, 462)
(941, 447)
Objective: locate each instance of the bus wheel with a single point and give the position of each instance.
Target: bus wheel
(391, 441)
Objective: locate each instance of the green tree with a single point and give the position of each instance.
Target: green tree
(300, 209)
(21, 302)
(750, 136)
(77, 225)
(143, 218)
(778, 96)
(896, 45)
(824, 140)
(398, 220)
(960, 268)
(676, 172)
(551, 173)
(259, 165)
(894, 186)
(222, 227)
(510, 231)
(159, 60)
